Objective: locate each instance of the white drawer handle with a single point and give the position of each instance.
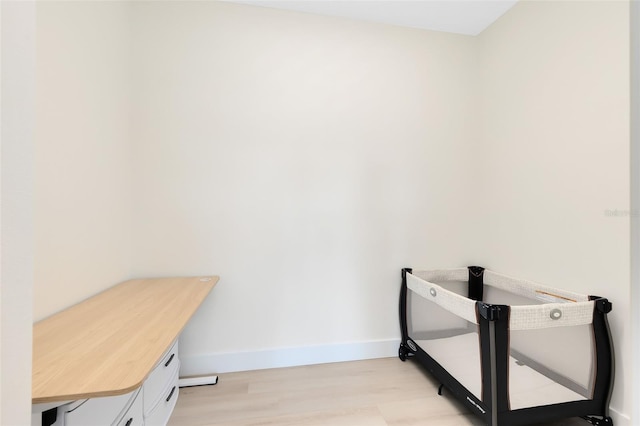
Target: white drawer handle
(173, 389)
(166, 364)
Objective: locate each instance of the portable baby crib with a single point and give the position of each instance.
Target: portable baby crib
(513, 351)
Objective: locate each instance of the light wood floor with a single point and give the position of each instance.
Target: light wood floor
(379, 392)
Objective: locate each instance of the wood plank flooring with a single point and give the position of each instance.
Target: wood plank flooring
(378, 392)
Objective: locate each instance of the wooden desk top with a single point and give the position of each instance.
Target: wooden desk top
(108, 344)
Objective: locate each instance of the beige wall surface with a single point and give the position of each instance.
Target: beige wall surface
(302, 158)
(635, 208)
(82, 152)
(553, 171)
(17, 68)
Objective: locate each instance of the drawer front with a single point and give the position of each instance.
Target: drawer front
(159, 415)
(97, 411)
(160, 377)
(133, 416)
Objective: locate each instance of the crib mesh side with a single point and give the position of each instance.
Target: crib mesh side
(449, 339)
(547, 365)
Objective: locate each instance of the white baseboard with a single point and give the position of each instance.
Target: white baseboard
(192, 365)
(619, 419)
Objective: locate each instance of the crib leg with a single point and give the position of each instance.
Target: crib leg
(403, 353)
(440, 389)
(597, 421)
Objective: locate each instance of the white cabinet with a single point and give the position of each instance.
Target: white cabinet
(150, 405)
(160, 413)
(107, 411)
(133, 416)
(160, 390)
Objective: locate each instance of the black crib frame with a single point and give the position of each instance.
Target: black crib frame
(494, 355)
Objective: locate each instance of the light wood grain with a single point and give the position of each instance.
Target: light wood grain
(378, 392)
(108, 344)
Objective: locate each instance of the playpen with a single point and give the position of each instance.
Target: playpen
(513, 351)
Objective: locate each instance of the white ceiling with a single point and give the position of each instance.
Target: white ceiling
(468, 17)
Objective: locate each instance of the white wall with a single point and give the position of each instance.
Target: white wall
(17, 89)
(635, 206)
(83, 152)
(555, 155)
(305, 160)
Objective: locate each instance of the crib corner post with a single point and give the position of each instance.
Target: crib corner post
(605, 354)
(476, 282)
(493, 327)
(406, 271)
(603, 305)
(403, 306)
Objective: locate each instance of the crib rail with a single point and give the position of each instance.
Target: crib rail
(554, 308)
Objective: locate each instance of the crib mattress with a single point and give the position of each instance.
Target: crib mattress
(460, 356)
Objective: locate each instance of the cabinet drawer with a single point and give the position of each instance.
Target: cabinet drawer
(97, 411)
(160, 413)
(133, 416)
(160, 377)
